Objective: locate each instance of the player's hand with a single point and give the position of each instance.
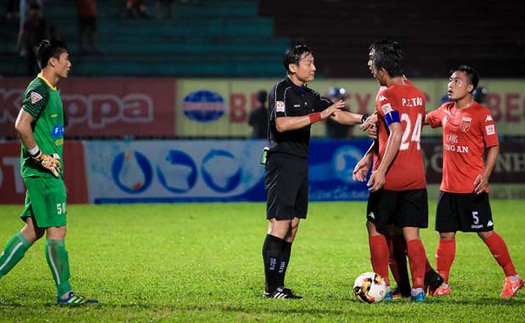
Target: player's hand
(360, 170)
(372, 132)
(49, 162)
(339, 105)
(370, 121)
(480, 184)
(376, 181)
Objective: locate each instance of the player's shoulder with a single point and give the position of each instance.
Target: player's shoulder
(447, 106)
(481, 108)
(39, 85)
(284, 83)
(37, 90)
(281, 87)
(482, 113)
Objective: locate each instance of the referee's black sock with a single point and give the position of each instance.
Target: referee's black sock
(272, 255)
(285, 259)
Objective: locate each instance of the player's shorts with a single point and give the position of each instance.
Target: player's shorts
(286, 186)
(401, 208)
(463, 212)
(45, 201)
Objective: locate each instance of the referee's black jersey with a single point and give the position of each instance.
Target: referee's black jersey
(289, 100)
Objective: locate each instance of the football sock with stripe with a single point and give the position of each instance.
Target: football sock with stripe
(499, 250)
(13, 252)
(58, 261)
(272, 256)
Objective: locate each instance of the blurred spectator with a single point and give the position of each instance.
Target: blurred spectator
(159, 10)
(335, 129)
(34, 29)
(87, 20)
(12, 9)
(479, 94)
(444, 99)
(137, 8)
(258, 118)
(23, 8)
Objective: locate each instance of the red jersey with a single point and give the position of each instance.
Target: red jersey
(466, 133)
(407, 171)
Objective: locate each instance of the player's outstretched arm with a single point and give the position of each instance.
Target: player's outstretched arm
(293, 123)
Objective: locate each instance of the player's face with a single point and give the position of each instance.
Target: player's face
(305, 69)
(63, 65)
(458, 86)
(371, 61)
(376, 73)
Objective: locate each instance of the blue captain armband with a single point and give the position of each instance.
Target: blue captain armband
(391, 117)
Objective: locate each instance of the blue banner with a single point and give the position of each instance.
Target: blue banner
(160, 171)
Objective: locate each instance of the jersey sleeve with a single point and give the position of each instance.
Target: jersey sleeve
(434, 118)
(387, 106)
(277, 101)
(35, 100)
(490, 134)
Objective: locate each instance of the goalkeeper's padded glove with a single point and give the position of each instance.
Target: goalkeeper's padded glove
(49, 162)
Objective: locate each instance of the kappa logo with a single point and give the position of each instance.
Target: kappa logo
(279, 106)
(35, 97)
(488, 118)
(372, 215)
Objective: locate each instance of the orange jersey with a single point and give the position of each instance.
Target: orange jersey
(466, 133)
(407, 171)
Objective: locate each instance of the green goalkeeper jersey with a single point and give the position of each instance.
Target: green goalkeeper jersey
(43, 102)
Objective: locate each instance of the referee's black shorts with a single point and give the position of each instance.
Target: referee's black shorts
(469, 212)
(286, 186)
(401, 208)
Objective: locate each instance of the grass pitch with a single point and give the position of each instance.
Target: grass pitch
(202, 262)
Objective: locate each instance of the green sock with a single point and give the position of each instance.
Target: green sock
(58, 261)
(13, 252)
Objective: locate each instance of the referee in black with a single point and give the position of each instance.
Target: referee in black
(293, 107)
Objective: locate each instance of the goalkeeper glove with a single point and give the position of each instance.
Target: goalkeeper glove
(49, 162)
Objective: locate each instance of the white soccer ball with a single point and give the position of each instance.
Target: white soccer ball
(370, 288)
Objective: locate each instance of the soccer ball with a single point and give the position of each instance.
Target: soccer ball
(370, 288)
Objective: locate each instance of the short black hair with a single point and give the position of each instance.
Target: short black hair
(49, 48)
(472, 75)
(388, 55)
(293, 55)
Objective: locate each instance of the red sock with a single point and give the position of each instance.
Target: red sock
(499, 250)
(445, 253)
(416, 256)
(379, 256)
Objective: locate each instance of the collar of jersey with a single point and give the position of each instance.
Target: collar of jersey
(47, 82)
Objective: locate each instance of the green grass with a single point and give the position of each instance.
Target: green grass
(202, 262)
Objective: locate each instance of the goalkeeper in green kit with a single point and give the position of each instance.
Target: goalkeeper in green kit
(40, 126)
